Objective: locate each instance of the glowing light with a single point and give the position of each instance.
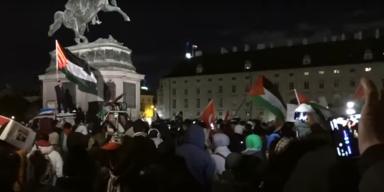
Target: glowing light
(350, 105)
(144, 88)
(152, 106)
(155, 109)
(350, 111)
(13, 117)
(188, 55)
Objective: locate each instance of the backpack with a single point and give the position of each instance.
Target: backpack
(49, 174)
(41, 166)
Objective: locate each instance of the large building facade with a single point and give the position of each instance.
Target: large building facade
(331, 70)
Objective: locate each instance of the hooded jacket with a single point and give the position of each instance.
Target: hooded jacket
(157, 140)
(220, 142)
(197, 159)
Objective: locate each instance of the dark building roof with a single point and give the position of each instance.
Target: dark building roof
(321, 54)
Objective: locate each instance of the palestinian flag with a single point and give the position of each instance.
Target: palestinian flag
(265, 94)
(316, 106)
(75, 69)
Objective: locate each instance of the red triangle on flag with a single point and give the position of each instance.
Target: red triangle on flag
(258, 88)
(227, 115)
(359, 94)
(208, 115)
(3, 120)
(301, 98)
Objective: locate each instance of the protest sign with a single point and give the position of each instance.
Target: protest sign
(291, 112)
(16, 134)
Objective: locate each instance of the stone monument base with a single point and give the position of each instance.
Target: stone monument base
(112, 66)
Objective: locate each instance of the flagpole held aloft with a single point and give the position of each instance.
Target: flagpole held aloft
(234, 115)
(298, 100)
(57, 62)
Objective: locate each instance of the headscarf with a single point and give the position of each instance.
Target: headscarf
(239, 129)
(253, 143)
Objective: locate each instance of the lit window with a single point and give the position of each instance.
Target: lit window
(367, 69)
(307, 60)
(248, 64)
(306, 73)
(368, 55)
(321, 72)
(336, 71)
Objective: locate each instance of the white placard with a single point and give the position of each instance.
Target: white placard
(18, 135)
(291, 112)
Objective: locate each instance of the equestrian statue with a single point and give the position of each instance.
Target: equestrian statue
(78, 13)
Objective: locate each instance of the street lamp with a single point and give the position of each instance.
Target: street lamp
(350, 111)
(350, 105)
(188, 55)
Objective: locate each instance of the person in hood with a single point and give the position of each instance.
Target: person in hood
(197, 159)
(154, 134)
(237, 144)
(220, 142)
(54, 157)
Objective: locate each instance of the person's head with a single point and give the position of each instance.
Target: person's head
(67, 126)
(153, 133)
(140, 126)
(186, 124)
(220, 140)
(239, 129)
(253, 142)
(232, 161)
(195, 135)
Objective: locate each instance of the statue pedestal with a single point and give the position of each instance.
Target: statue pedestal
(113, 69)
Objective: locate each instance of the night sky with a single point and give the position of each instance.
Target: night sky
(158, 30)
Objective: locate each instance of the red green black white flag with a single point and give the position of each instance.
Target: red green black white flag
(75, 69)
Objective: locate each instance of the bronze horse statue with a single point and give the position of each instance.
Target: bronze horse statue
(78, 13)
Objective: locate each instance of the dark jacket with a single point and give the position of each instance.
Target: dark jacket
(60, 94)
(372, 169)
(197, 159)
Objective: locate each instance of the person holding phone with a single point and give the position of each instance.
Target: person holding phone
(371, 138)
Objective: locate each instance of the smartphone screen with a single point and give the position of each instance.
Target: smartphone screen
(301, 116)
(345, 135)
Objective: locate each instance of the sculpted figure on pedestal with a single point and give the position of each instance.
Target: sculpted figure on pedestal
(78, 13)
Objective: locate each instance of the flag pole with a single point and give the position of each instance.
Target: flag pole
(57, 62)
(239, 107)
(298, 100)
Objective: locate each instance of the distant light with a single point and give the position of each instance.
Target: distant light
(152, 106)
(188, 55)
(194, 46)
(350, 105)
(144, 88)
(187, 43)
(155, 109)
(13, 117)
(350, 111)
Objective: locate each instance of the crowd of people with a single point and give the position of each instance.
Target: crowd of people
(189, 156)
